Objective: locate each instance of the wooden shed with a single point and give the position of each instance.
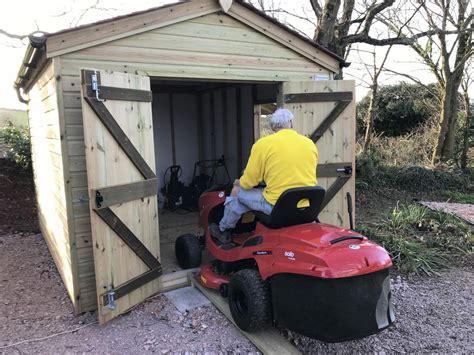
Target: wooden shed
(112, 104)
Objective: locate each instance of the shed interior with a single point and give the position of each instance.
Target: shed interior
(201, 121)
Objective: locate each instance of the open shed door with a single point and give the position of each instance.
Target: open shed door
(118, 132)
(325, 112)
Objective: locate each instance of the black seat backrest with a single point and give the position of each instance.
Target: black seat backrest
(286, 213)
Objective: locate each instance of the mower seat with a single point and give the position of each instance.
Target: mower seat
(286, 213)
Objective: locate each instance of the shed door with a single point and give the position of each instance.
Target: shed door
(325, 112)
(120, 159)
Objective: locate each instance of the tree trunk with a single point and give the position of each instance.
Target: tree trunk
(369, 128)
(467, 124)
(444, 147)
(324, 33)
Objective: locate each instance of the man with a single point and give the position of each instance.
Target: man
(282, 160)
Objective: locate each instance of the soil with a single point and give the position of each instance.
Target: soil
(17, 199)
(433, 314)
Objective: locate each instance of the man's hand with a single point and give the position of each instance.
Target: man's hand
(236, 182)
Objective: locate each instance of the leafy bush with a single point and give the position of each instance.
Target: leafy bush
(403, 163)
(422, 240)
(400, 108)
(18, 142)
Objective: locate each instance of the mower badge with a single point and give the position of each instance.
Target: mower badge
(354, 246)
(221, 194)
(290, 255)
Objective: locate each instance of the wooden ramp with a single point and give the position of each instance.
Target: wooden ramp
(267, 341)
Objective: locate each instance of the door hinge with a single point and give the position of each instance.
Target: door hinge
(95, 85)
(98, 199)
(110, 296)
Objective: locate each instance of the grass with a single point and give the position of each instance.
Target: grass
(420, 240)
(459, 197)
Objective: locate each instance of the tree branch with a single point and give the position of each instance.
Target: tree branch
(415, 80)
(316, 8)
(12, 35)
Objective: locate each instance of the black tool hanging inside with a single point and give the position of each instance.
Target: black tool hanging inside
(174, 188)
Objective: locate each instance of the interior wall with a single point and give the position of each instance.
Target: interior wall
(206, 124)
(175, 133)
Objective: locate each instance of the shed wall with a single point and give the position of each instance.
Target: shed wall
(212, 47)
(47, 148)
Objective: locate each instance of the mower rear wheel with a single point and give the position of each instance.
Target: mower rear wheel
(188, 251)
(249, 300)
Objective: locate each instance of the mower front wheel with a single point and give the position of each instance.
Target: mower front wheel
(249, 300)
(188, 251)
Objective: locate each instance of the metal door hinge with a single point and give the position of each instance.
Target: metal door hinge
(95, 86)
(98, 199)
(111, 300)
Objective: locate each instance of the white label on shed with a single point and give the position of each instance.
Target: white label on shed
(321, 76)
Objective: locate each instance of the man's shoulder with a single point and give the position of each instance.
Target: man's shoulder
(305, 139)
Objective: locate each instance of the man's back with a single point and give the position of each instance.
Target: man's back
(282, 160)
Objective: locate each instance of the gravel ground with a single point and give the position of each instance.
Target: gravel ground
(433, 315)
(34, 304)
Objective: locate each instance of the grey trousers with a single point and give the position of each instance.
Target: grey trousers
(246, 200)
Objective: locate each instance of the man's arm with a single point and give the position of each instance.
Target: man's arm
(254, 170)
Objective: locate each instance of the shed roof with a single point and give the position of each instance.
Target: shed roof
(73, 39)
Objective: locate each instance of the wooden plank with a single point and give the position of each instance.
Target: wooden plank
(111, 93)
(268, 341)
(109, 30)
(333, 169)
(108, 165)
(120, 137)
(49, 174)
(113, 195)
(238, 105)
(174, 280)
(334, 189)
(319, 96)
(329, 120)
(132, 285)
(188, 71)
(169, 43)
(184, 56)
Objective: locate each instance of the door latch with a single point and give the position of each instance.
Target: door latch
(95, 86)
(346, 170)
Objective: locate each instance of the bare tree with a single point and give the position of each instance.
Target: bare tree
(467, 81)
(373, 71)
(445, 50)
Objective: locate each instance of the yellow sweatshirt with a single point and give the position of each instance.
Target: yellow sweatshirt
(282, 160)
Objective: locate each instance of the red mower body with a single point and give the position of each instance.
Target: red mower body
(326, 282)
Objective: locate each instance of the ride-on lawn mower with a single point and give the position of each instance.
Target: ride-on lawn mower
(319, 280)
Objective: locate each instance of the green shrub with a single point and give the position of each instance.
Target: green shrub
(459, 197)
(400, 108)
(420, 240)
(18, 142)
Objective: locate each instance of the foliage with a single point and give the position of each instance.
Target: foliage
(18, 142)
(404, 163)
(459, 197)
(400, 108)
(421, 240)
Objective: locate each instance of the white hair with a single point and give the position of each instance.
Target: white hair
(281, 118)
